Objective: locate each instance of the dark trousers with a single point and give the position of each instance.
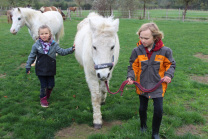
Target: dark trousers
(157, 116)
(46, 82)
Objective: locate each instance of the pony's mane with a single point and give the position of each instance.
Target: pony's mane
(28, 12)
(102, 24)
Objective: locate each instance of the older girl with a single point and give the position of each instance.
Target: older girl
(150, 62)
(45, 49)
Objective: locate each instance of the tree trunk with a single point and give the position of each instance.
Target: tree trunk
(144, 9)
(110, 10)
(185, 10)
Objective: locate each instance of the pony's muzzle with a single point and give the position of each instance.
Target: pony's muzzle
(103, 70)
(103, 76)
(13, 32)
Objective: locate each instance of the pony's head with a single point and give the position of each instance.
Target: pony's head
(18, 20)
(104, 35)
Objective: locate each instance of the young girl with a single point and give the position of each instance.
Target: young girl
(150, 62)
(45, 50)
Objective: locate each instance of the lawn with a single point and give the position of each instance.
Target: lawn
(185, 102)
(159, 14)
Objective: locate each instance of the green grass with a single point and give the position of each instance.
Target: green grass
(164, 14)
(185, 101)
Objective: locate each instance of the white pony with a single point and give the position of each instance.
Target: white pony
(34, 19)
(97, 43)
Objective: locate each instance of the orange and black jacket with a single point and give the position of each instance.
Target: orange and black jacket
(149, 71)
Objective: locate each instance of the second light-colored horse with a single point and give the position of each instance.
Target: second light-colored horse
(34, 19)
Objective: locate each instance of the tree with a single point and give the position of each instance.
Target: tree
(126, 6)
(103, 7)
(144, 6)
(4, 3)
(186, 4)
(79, 2)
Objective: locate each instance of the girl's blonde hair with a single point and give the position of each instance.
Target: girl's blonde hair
(156, 33)
(43, 27)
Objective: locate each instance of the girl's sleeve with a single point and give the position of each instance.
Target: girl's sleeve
(169, 64)
(131, 71)
(63, 52)
(31, 57)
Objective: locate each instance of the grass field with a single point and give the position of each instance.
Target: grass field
(185, 102)
(159, 14)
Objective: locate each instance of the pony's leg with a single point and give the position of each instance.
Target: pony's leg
(103, 90)
(96, 101)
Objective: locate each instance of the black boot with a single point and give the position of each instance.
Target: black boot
(156, 136)
(143, 121)
(143, 129)
(156, 127)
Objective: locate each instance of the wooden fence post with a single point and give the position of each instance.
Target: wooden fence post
(129, 14)
(148, 16)
(69, 13)
(141, 12)
(77, 11)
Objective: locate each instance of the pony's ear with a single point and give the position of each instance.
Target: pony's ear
(92, 25)
(19, 10)
(116, 24)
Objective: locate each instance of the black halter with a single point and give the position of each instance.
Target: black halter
(105, 65)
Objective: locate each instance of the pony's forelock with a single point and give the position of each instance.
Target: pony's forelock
(105, 26)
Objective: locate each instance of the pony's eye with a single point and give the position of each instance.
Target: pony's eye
(112, 47)
(19, 18)
(94, 47)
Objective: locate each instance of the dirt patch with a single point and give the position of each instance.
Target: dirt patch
(201, 79)
(83, 131)
(194, 130)
(202, 56)
(3, 75)
(22, 66)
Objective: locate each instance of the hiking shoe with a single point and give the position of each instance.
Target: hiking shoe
(44, 102)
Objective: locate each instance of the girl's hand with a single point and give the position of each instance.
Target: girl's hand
(130, 81)
(167, 79)
(28, 70)
(73, 47)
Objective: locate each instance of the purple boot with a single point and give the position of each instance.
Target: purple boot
(44, 102)
(48, 92)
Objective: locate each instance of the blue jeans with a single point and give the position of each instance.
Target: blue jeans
(46, 82)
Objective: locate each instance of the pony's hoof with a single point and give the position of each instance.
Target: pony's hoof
(97, 126)
(102, 103)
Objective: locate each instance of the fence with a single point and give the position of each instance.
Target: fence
(151, 14)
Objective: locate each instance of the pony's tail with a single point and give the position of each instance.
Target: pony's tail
(60, 33)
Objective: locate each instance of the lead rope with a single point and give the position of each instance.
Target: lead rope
(137, 84)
